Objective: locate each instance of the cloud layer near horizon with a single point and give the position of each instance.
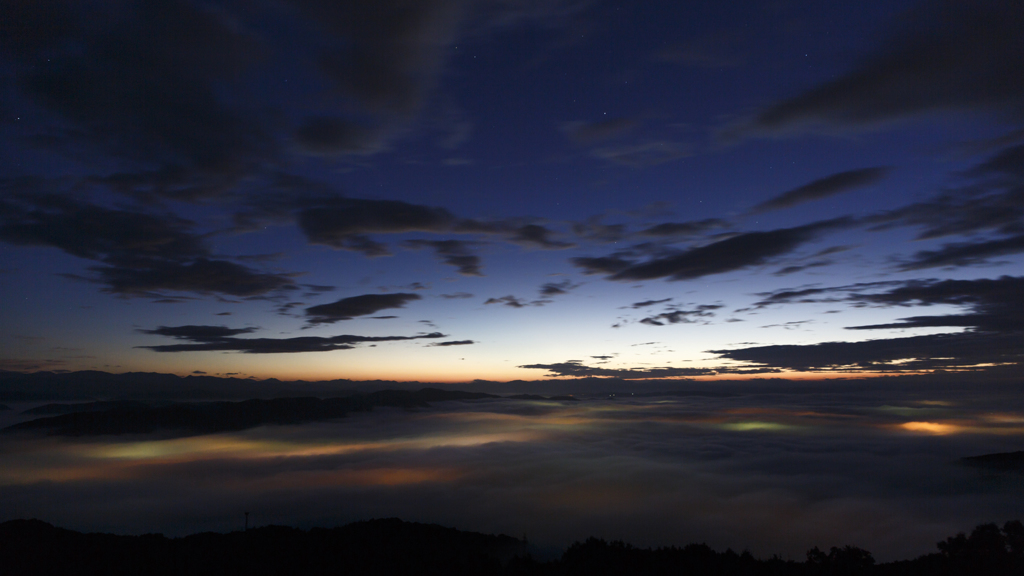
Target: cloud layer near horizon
(846, 463)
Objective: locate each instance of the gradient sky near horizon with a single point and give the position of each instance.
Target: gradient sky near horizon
(445, 190)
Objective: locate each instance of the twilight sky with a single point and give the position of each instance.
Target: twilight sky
(445, 190)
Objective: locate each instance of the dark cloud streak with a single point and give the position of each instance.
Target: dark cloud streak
(703, 311)
(950, 56)
(932, 352)
(141, 254)
(823, 188)
(577, 369)
(738, 252)
(363, 305)
(452, 252)
(221, 338)
(994, 323)
(452, 343)
(965, 253)
(557, 288)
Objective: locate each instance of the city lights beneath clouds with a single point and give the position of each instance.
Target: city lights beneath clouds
(716, 468)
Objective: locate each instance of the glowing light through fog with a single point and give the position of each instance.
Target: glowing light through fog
(931, 427)
(657, 464)
(752, 426)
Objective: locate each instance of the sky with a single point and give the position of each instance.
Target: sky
(509, 189)
(810, 212)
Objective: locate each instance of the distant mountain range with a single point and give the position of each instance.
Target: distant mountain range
(191, 418)
(1001, 462)
(93, 385)
(98, 385)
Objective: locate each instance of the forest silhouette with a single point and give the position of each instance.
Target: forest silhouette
(391, 546)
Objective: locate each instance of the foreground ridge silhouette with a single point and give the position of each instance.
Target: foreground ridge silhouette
(391, 546)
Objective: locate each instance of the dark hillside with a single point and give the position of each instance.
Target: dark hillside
(390, 546)
(188, 418)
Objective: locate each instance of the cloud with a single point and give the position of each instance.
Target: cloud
(987, 199)
(950, 56)
(363, 305)
(114, 82)
(965, 253)
(601, 264)
(647, 303)
(120, 76)
(344, 222)
(801, 267)
(577, 369)
(994, 322)
(537, 236)
(937, 351)
(221, 338)
(808, 295)
(454, 343)
(141, 254)
(823, 188)
(557, 288)
(684, 228)
(681, 316)
(201, 275)
(94, 232)
(792, 325)
(453, 252)
(826, 458)
(741, 251)
(313, 290)
(509, 300)
(456, 296)
(198, 333)
(394, 49)
(1005, 163)
(994, 304)
(388, 56)
(515, 302)
(593, 229)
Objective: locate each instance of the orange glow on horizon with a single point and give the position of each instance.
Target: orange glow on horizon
(510, 375)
